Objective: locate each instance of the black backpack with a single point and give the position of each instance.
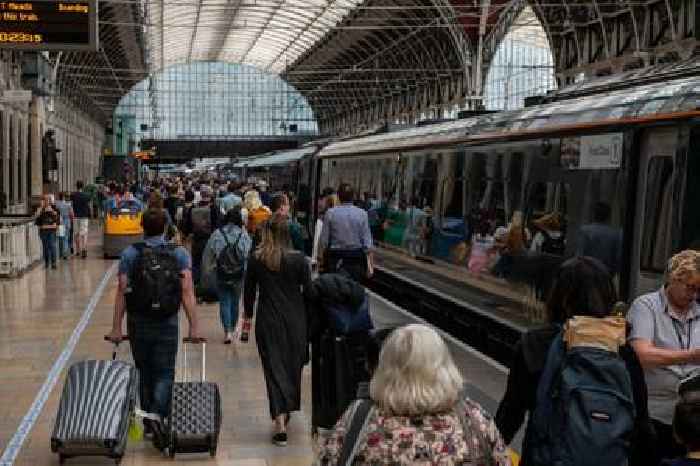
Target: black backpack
(154, 288)
(230, 264)
(552, 245)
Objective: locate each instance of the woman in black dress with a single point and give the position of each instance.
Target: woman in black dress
(281, 275)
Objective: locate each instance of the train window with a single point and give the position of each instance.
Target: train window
(658, 211)
(546, 215)
(690, 237)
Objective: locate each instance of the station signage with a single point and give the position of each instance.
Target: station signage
(49, 25)
(597, 152)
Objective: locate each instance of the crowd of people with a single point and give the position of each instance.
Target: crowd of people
(595, 388)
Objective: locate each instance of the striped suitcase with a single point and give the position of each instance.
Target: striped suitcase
(195, 412)
(93, 415)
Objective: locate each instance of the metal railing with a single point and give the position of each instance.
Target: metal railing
(20, 246)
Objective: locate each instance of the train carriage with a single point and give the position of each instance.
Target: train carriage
(629, 144)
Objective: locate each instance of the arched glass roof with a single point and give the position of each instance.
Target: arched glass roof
(268, 34)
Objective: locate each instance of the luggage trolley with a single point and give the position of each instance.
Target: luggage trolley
(122, 228)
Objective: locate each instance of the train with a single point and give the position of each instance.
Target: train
(628, 142)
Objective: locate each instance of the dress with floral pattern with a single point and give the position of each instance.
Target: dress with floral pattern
(431, 440)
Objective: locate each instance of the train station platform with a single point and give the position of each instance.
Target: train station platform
(52, 318)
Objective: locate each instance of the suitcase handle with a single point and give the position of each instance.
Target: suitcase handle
(196, 341)
(116, 345)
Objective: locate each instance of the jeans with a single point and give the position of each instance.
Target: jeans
(154, 347)
(64, 243)
(228, 306)
(48, 243)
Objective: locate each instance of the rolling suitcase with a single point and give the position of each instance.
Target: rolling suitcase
(97, 402)
(195, 412)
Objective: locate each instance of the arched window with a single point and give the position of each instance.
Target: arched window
(522, 66)
(212, 100)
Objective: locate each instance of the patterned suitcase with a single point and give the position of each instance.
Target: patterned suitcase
(93, 415)
(195, 412)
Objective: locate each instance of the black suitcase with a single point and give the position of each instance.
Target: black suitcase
(97, 402)
(338, 368)
(195, 412)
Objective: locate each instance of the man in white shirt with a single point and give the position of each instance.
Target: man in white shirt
(665, 334)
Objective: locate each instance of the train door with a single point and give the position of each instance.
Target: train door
(658, 208)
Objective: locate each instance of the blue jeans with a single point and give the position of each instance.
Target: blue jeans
(228, 306)
(48, 243)
(154, 347)
(64, 243)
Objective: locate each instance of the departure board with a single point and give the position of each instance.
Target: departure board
(48, 25)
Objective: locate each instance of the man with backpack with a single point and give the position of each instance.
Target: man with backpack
(199, 223)
(154, 280)
(224, 262)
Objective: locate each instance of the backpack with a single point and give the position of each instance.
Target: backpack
(230, 263)
(584, 412)
(154, 285)
(201, 221)
(552, 245)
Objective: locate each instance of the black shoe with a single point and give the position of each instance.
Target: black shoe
(160, 439)
(84, 254)
(147, 428)
(280, 439)
(53, 266)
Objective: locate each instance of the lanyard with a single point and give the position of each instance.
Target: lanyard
(679, 334)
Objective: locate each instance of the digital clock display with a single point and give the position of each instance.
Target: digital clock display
(48, 25)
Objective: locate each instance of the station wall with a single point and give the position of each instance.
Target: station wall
(22, 126)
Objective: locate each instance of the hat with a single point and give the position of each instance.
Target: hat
(262, 183)
(548, 221)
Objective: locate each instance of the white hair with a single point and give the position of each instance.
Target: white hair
(251, 201)
(416, 374)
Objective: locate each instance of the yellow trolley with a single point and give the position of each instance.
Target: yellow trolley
(122, 228)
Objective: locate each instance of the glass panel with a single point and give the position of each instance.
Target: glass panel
(658, 210)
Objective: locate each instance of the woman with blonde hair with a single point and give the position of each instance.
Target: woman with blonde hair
(257, 213)
(416, 414)
(279, 275)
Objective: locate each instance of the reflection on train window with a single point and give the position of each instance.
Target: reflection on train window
(658, 211)
(546, 217)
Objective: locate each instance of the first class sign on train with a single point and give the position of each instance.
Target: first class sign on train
(49, 25)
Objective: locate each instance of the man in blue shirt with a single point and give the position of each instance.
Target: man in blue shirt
(153, 339)
(601, 240)
(230, 200)
(346, 240)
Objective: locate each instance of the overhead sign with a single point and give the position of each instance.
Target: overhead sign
(48, 25)
(602, 151)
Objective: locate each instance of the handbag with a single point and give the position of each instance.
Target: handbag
(344, 319)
